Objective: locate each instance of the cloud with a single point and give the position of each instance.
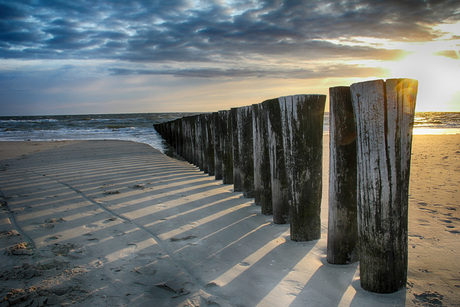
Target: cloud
(320, 71)
(110, 45)
(453, 54)
(184, 31)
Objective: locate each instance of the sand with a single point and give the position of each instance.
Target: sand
(113, 223)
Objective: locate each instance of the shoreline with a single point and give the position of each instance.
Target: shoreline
(201, 219)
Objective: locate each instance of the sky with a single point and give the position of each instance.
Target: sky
(107, 56)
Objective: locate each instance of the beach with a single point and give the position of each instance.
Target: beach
(116, 223)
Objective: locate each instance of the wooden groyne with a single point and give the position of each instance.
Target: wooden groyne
(272, 151)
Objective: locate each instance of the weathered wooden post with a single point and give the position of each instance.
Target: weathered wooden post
(177, 136)
(384, 119)
(262, 177)
(237, 180)
(217, 140)
(278, 177)
(209, 144)
(194, 138)
(180, 138)
(203, 143)
(187, 139)
(342, 235)
(246, 150)
(227, 147)
(302, 119)
(172, 134)
(199, 134)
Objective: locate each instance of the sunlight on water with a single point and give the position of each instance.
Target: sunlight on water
(435, 131)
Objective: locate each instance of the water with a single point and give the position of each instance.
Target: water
(128, 127)
(437, 123)
(427, 123)
(139, 127)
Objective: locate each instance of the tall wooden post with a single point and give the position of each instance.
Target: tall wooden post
(198, 142)
(227, 147)
(188, 155)
(218, 144)
(179, 137)
(342, 235)
(237, 181)
(193, 120)
(209, 144)
(203, 143)
(246, 150)
(262, 177)
(186, 136)
(278, 177)
(384, 119)
(302, 121)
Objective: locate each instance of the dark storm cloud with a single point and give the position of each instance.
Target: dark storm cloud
(340, 70)
(157, 31)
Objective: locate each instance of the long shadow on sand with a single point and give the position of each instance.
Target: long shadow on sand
(123, 212)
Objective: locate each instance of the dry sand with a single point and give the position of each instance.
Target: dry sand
(112, 223)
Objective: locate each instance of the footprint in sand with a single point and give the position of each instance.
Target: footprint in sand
(145, 269)
(117, 233)
(62, 249)
(182, 238)
(111, 219)
(118, 269)
(428, 299)
(52, 238)
(111, 192)
(137, 186)
(91, 239)
(212, 285)
(49, 223)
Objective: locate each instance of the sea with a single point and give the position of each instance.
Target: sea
(139, 127)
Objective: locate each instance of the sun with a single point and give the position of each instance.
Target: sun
(436, 65)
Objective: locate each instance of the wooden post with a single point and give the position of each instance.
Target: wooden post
(384, 119)
(203, 143)
(179, 137)
(172, 135)
(342, 235)
(246, 150)
(194, 140)
(302, 119)
(262, 177)
(217, 140)
(209, 144)
(198, 142)
(227, 147)
(278, 177)
(237, 181)
(187, 139)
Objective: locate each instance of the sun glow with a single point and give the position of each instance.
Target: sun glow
(437, 74)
